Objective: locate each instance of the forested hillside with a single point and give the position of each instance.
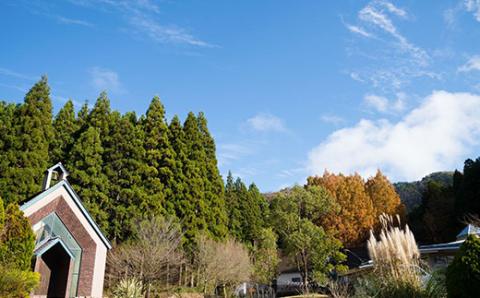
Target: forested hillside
(446, 202)
(411, 192)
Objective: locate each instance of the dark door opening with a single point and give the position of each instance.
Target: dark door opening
(58, 261)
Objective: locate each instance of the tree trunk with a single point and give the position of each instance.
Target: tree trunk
(180, 275)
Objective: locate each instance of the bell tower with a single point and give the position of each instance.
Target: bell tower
(57, 172)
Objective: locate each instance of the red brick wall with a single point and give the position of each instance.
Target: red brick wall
(75, 227)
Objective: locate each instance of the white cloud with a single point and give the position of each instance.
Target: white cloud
(393, 9)
(231, 152)
(394, 60)
(473, 6)
(166, 34)
(266, 123)
(333, 119)
(379, 103)
(358, 30)
(105, 79)
(69, 21)
(375, 14)
(384, 105)
(472, 64)
(437, 135)
(356, 77)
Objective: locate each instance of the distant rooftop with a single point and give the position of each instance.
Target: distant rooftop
(468, 230)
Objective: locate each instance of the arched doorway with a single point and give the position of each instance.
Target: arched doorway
(54, 263)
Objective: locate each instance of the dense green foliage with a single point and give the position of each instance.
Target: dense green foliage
(434, 221)
(16, 283)
(411, 192)
(467, 189)
(125, 168)
(25, 142)
(17, 239)
(265, 257)
(447, 201)
(17, 242)
(246, 210)
(294, 213)
(463, 274)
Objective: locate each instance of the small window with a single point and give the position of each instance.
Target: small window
(296, 279)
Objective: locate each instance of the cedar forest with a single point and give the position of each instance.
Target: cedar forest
(128, 168)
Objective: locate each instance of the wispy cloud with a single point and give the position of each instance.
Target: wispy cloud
(16, 87)
(165, 34)
(15, 74)
(395, 61)
(69, 21)
(437, 135)
(266, 123)
(227, 153)
(141, 18)
(333, 119)
(382, 104)
(375, 14)
(105, 79)
(63, 99)
(358, 30)
(473, 63)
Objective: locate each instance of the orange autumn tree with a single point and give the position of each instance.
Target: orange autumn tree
(384, 197)
(360, 204)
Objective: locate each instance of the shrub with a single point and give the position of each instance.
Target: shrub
(154, 257)
(221, 264)
(16, 283)
(463, 274)
(17, 240)
(128, 288)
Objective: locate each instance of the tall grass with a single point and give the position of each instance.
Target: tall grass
(395, 254)
(397, 265)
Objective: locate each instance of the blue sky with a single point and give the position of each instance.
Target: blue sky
(290, 88)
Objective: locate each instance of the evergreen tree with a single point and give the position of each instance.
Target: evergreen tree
(176, 203)
(125, 168)
(82, 117)
(243, 213)
(159, 156)
(437, 217)
(467, 189)
(17, 240)
(194, 204)
(8, 112)
(88, 177)
(27, 158)
(65, 128)
(7, 136)
(258, 204)
(213, 182)
(234, 211)
(100, 117)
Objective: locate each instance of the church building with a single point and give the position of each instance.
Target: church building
(70, 250)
